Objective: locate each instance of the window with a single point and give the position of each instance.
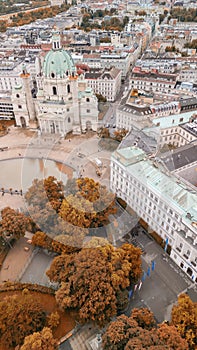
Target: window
(88, 110)
(68, 119)
(87, 99)
(181, 119)
(182, 265)
(19, 106)
(68, 88)
(17, 95)
(54, 90)
(52, 75)
(189, 271)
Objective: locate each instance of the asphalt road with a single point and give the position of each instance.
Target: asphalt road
(160, 290)
(35, 272)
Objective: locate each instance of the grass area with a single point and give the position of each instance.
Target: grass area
(103, 108)
(108, 144)
(48, 302)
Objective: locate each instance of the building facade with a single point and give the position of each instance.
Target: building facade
(165, 204)
(106, 82)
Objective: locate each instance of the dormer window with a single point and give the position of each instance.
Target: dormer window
(17, 95)
(52, 75)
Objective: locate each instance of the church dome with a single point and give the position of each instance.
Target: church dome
(58, 64)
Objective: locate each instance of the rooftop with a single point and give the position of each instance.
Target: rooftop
(180, 157)
(174, 119)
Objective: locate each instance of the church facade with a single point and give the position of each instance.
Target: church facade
(63, 101)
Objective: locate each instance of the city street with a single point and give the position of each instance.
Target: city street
(160, 290)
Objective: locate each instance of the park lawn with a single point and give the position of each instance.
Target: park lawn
(67, 319)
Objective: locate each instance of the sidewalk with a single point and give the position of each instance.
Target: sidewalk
(16, 260)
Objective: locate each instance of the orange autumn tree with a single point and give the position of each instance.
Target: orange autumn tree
(13, 223)
(144, 317)
(90, 280)
(54, 191)
(126, 333)
(184, 318)
(20, 315)
(45, 191)
(87, 204)
(77, 211)
(40, 341)
(102, 200)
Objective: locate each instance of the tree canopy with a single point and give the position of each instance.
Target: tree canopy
(40, 341)
(20, 315)
(13, 223)
(184, 318)
(90, 279)
(140, 332)
(71, 210)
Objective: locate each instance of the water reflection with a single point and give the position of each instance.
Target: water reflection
(19, 173)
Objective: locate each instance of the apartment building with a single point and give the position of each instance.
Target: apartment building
(188, 74)
(153, 83)
(179, 135)
(6, 107)
(106, 82)
(121, 60)
(141, 106)
(167, 205)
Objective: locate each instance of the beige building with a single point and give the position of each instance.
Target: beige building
(106, 82)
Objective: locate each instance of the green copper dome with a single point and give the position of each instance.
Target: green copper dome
(58, 64)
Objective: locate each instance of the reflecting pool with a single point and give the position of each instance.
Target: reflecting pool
(18, 173)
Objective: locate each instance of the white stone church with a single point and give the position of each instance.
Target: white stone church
(63, 101)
